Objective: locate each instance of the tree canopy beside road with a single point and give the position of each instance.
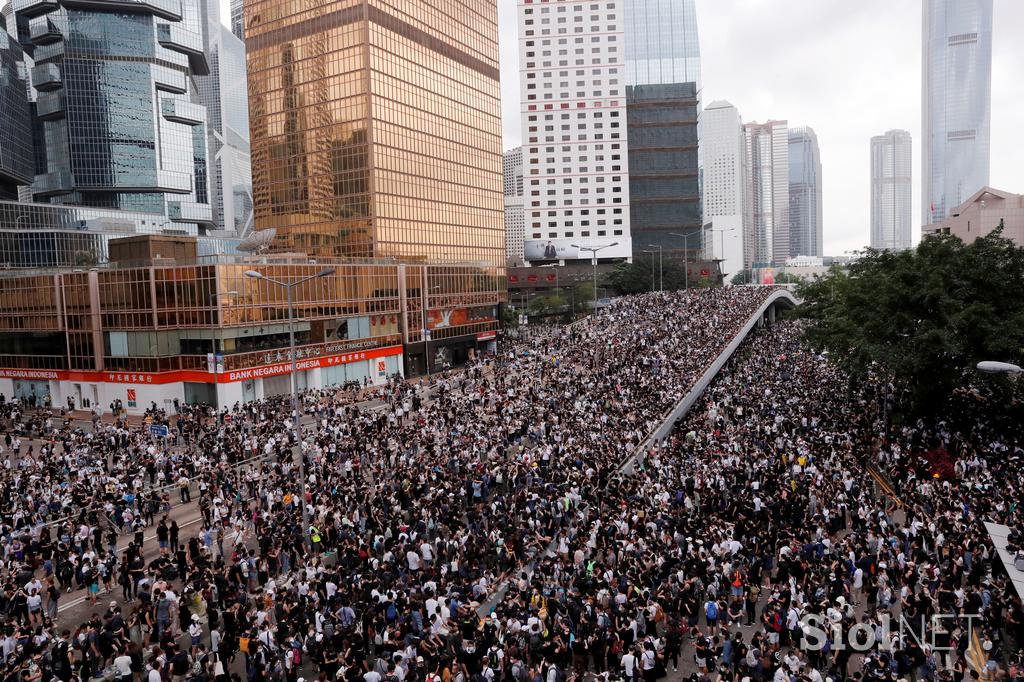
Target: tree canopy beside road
(923, 318)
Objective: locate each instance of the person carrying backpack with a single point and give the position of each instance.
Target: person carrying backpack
(711, 615)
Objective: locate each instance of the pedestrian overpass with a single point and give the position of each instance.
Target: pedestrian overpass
(767, 313)
(782, 299)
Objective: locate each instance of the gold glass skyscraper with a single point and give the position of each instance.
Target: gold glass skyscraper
(376, 127)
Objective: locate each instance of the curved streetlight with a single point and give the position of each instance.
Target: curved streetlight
(593, 251)
(661, 272)
(686, 254)
(994, 367)
(288, 286)
(214, 301)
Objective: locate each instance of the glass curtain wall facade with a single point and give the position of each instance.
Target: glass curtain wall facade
(49, 236)
(238, 19)
(16, 159)
(167, 318)
(120, 121)
(376, 128)
(805, 208)
(956, 103)
(225, 96)
(664, 186)
(891, 210)
(766, 190)
(662, 45)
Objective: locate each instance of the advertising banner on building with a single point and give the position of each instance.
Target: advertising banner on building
(460, 317)
(765, 276)
(550, 249)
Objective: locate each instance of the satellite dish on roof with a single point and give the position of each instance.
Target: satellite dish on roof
(257, 242)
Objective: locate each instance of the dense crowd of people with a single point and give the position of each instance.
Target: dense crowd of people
(483, 527)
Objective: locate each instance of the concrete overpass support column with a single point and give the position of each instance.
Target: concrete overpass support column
(771, 314)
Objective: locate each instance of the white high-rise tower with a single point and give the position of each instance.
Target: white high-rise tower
(891, 209)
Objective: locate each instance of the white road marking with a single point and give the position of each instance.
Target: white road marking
(80, 600)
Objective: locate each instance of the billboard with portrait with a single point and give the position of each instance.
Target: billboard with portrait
(550, 249)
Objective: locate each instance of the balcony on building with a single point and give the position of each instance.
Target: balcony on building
(166, 9)
(53, 184)
(181, 111)
(34, 8)
(169, 80)
(189, 212)
(178, 38)
(51, 106)
(46, 77)
(44, 31)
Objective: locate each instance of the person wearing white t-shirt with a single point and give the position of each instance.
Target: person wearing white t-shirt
(647, 663)
(629, 665)
(123, 666)
(154, 673)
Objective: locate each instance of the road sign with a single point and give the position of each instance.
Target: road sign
(160, 430)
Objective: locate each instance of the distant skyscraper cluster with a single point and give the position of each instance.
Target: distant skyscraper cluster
(227, 123)
(585, 67)
(610, 108)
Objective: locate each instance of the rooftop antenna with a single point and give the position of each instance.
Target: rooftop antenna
(257, 242)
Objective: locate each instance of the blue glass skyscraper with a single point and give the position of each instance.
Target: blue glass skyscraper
(956, 103)
(805, 192)
(224, 94)
(118, 109)
(662, 46)
(15, 123)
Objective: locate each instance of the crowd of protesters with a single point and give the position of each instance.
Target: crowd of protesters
(484, 528)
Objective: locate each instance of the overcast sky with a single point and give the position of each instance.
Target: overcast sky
(850, 70)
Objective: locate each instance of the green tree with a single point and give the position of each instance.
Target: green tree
(630, 278)
(922, 318)
(583, 297)
(741, 277)
(786, 278)
(635, 277)
(509, 317)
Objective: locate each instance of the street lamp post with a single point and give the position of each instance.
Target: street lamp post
(686, 254)
(654, 282)
(214, 297)
(593, 251)
(661, 271)
(288, 286)
(426, 331)
(721, 255)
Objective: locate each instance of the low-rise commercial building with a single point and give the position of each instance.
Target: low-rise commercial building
(988, 209)
(206, 332)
